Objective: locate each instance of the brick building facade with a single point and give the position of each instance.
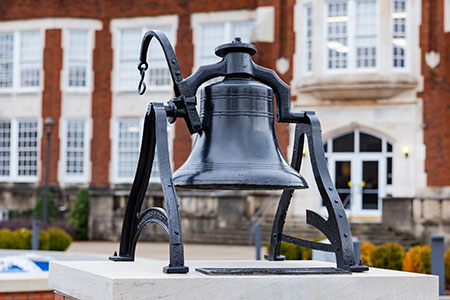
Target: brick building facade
(375, 85)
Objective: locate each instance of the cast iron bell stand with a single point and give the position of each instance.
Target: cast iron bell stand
(236, 60)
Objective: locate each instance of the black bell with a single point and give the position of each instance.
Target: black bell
(237, 148)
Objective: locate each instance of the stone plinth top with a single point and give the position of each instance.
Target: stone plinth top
(144, 279)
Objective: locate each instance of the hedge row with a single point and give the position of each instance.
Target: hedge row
(54, 239)
(393, 256)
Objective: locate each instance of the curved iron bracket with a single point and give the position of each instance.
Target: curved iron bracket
(154, 135)
(336, 228)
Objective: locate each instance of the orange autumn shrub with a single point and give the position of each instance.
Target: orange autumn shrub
(418, 260)
(447, 268)
(366, 252)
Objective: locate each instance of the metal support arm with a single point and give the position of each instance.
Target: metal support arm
(155, 134)
(336, 228)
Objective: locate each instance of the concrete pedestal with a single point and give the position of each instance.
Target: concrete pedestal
(145, 280)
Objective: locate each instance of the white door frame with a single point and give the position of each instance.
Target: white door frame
(356, 212)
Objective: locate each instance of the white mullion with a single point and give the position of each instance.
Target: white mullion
(16, 60)
(351, 32)
(13, 173)
(356, 141)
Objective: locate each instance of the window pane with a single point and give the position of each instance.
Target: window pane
(30, 58)
(212, 35)
(337, 19)
(369, 143)
(366, 37)
(128, 75)
(77, 58)
(6, 60)
(27, 148)
(75, 147)
(389, 147)
(158, 72)
(242, 30)
(345, 143)
(5, 147)
(389, 170)
(308, 37)
(128, 147)
(398, 33)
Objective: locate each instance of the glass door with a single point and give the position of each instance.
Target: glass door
(369, 185)
(368, 189)
(343, 180)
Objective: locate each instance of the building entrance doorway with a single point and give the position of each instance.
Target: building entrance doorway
(361, 166)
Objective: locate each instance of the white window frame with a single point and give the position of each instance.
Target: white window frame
(64, 177)
(16, 78)
(145, 24)
(14, 154)
(408, 49)
(115, 178)
(351, 55)
(305, 61)
(226, 17)
(89, 67)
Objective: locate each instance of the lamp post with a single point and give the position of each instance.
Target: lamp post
(48, 126)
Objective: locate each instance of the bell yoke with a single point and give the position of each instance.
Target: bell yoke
(236, 148)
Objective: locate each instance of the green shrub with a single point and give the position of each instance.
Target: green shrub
(294, 252)
(6, 239)
(418, 260)
(52, 210)
(59, 239)
(388, 256)
(44, 240)
(22, 238)
(79, 215)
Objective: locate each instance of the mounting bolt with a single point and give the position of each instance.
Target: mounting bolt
(330, 188)
(345, 235)
(336, 201)
(340, 216)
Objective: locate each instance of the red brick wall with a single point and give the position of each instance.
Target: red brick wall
(182, 139)
(45, 295)
(51, 99)
(436, 94)
(103, 53)
(101, 106)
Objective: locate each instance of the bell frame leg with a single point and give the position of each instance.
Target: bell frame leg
(285, 201)
(155, 134)
(336, 228)
(176, 264)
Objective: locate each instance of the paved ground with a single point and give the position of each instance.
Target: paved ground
(161, 250)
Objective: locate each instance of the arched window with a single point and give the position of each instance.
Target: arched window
(361, 166)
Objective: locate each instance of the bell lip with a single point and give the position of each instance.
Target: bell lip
(217, 186)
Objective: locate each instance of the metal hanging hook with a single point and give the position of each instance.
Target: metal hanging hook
(142, 67)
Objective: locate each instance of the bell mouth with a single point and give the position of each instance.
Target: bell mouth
(238, 178)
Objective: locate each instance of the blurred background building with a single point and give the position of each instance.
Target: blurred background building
(377, 73)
